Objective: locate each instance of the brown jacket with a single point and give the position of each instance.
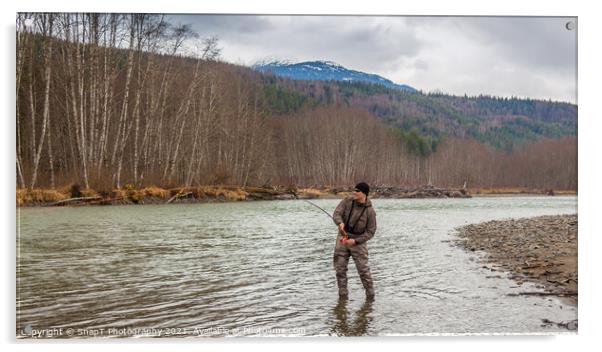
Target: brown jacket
(364, 226)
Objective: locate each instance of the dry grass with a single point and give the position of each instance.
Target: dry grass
(154, 191)
(228, 193)
(237, 194)
(25, 197)
(119, 194)
(252, 189)
(65, 190)
(313, 192)
(566, 192)
(39, 196)
(136, 195)
(89, 193)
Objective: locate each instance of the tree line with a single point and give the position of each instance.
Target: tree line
(105, 100)
(501, 122)
(337, 146)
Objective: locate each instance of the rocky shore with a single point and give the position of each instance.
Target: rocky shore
(541, 250)
(154, 195)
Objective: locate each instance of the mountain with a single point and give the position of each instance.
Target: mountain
(504, 123)
(325, 71)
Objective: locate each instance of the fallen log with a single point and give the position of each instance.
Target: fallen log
(74, 200)
(179, 195)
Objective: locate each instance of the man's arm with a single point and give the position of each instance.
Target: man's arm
(337, 217)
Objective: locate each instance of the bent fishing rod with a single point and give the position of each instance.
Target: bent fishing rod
(343, 233)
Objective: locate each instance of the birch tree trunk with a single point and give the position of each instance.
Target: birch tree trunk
(50, 157)
(21, 46)
(109, 74)
(80, 58)
(122, 128)
(47, 29)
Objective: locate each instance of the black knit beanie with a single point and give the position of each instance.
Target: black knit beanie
(363, 187)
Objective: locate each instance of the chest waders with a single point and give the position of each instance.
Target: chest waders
(359, 253)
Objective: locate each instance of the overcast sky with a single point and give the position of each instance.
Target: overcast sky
(531, 57)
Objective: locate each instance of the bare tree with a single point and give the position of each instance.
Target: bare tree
(45, 22)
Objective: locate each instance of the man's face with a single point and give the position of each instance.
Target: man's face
(358, 195)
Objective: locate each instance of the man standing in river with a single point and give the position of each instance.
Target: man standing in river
(357, 218)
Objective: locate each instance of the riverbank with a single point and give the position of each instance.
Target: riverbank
(541, 250)
(511, 191)
(206, 194)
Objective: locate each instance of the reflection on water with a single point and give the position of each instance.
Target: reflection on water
(356, 325)
(265, 268)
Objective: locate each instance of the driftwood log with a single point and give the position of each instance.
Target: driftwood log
(76, 199)
(179, 195)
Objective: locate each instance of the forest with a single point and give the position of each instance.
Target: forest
(108, 100)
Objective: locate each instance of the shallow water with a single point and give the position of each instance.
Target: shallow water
(265, 269)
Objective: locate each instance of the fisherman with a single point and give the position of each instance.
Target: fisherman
(356, 219)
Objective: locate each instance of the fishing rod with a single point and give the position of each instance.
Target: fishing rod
(317, 206)
(343, 233)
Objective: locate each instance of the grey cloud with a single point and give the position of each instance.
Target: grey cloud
(536, 41)
(522, 56)
(356, 41)
(207, 25)
(489, 55)
(421, 64)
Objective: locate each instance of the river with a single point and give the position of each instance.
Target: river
(265, 269)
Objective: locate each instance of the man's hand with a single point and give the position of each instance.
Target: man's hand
(349, 243)
(344, 239)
